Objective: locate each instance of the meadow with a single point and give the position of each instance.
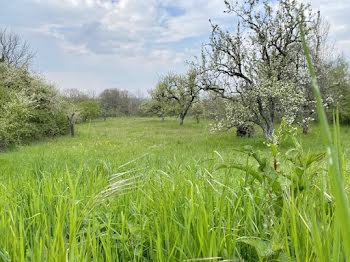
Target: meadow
(142, 189)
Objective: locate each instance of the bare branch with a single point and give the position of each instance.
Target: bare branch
(14, 51)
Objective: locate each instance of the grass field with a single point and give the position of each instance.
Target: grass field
(74, 199)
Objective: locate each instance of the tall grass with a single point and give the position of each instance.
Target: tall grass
(335, 164)
(57, 206)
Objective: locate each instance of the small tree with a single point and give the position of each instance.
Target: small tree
(72, 113)
(179, 91)
(340, 77)
(110, 102)
(160, 104)
(89, 110)
(153, 107)
(115, 102)
(70, 117)
(197, 110)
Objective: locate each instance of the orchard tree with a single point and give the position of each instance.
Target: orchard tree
(329, 68)
(339, 76)
(179, 91)
(153, 107)
(333, 79)
(72, 113)
(160, 104)
(213, 106)
(197, 110)
(259, 68)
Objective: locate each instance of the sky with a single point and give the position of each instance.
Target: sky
(92, 45)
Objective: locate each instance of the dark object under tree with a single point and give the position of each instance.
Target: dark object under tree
(245, 131)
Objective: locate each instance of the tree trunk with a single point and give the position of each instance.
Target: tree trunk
(268, 131)
(197, 118)
(163, 116)
(71, 129)
(104, 117)
(182, 117)
(71, 123)
(305, 128)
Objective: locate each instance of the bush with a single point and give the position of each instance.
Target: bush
(89, 110)
(15, 126)
(30, 108)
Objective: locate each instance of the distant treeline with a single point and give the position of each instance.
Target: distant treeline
(110, 103)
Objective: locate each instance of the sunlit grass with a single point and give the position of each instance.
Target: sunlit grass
(176, 205)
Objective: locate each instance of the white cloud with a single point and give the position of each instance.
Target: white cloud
(336, 12)
(116, 26)
(137, 37)
(128, 43)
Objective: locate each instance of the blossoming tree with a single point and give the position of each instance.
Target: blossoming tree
(179, 92)
(260, 67)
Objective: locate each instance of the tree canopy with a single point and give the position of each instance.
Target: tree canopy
(259, 67)
(178, 91)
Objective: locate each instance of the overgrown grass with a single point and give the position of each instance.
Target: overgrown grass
(61, 200)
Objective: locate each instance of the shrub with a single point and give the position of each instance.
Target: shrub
(15, 113)
(89, 110)
(30, 107)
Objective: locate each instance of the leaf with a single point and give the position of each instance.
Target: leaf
(273, 149)
(249, 170)
(222, 166)
(247, 149)
(263, 248)
(284, 258)
(2, 255)
(311, 158)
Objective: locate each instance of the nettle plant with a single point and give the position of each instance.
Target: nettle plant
(273, 183)
(273, 172)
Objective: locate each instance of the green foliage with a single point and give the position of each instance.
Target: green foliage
(344, 107)
(89, 110)
(176, 93)
(213, 107)
(30, 107)
(118, 103)
(197, 110)
(340, 77)
(155, 107)
(15, 114)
